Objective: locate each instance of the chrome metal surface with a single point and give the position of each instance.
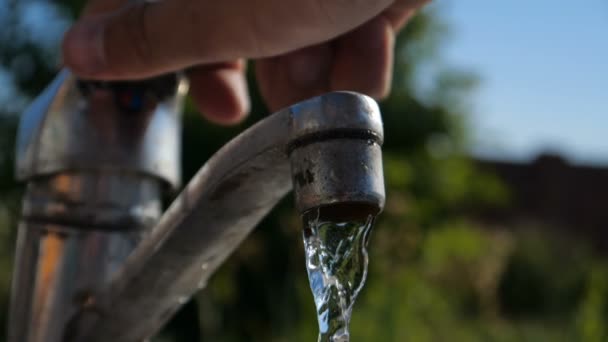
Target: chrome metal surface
(59, 267)
(76, 230)
(335, 151)
(338, 171)
(231, 193)
(105, 201)
(64, 130)
(335, 112)
(95, 168)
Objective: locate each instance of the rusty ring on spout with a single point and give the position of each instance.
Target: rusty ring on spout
(339, 133)
(336, 156)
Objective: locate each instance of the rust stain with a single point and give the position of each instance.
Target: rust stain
(64, 182)
(49, 264)
(304, 178)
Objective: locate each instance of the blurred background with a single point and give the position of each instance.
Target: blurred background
(496, 165)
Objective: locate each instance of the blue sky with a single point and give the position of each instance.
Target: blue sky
(543, 66)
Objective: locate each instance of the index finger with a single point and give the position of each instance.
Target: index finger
(146, 39)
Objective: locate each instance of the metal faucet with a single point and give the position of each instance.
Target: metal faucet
(96, 258)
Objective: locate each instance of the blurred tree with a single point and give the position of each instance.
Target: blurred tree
(434, 273)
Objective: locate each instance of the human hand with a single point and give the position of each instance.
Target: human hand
(301, 48)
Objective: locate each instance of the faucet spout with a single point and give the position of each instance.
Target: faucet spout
(327, 148)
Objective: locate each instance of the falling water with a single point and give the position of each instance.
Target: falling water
(336, 260)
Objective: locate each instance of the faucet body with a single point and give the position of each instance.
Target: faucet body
(95, 172)
(95, 261)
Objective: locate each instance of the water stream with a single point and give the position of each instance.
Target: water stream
(336, 260)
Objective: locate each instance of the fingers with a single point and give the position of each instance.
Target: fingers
(116, 45)
(296, 76)
(363, 60)
(144, 39)
(359, 61)
(220, 92)
(121, 40)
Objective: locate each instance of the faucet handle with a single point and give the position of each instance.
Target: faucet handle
(85, 126)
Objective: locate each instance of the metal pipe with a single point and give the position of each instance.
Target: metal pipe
(90, 267)
(329, 146)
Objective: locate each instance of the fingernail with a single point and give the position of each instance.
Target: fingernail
(309, 66)
(83, 48)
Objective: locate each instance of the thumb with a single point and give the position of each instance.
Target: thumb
(144, 39)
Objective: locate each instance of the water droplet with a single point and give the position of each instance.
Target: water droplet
(204, 266)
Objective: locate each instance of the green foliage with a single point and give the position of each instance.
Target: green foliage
(593, 310)
(544, 278)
